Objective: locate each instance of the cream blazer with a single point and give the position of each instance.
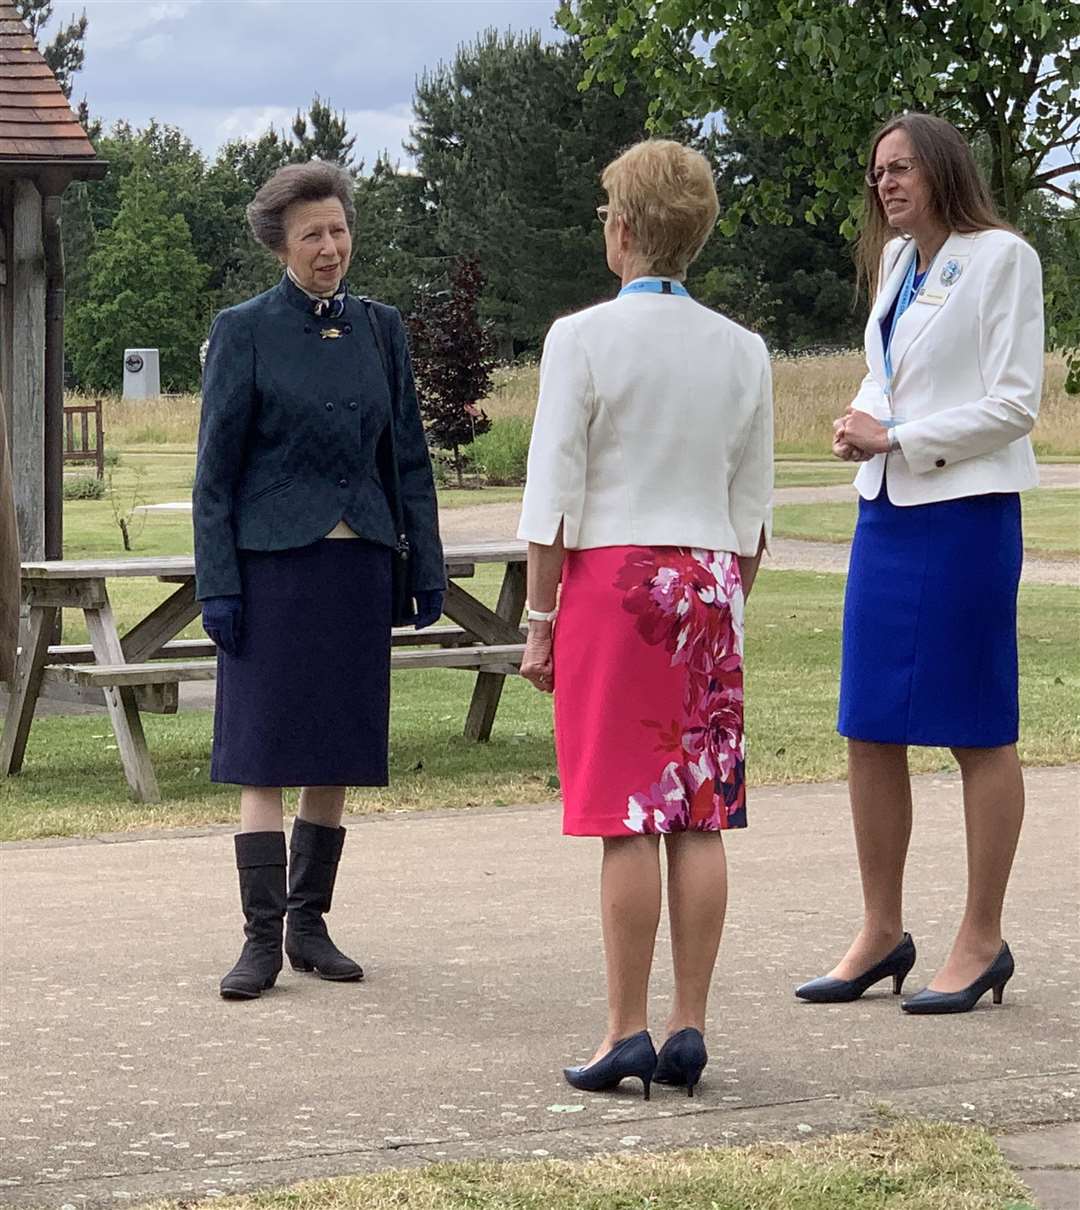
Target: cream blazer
(654, 427)
(968, 366)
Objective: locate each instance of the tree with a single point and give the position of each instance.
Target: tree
(450, 356)
(322, 135)
(792, 281)
(146, 288)
(65, 54)
(511, 151)
(395, 241)
(823, 75)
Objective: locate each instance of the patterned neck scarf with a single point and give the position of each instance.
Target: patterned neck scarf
(324, 308)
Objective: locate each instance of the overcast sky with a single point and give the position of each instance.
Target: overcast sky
(224, 69)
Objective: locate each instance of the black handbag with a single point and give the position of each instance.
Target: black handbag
(402, 607)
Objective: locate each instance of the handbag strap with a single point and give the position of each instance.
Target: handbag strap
(395, 476)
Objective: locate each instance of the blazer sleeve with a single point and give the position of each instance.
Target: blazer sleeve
(750, 495)
(555, 476)
(1011, 343)
(228, 402)
(419, 504)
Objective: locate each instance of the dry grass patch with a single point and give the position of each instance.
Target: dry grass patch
(809, 393)
(912, 1166)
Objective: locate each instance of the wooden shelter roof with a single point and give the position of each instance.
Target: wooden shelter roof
(37, 126)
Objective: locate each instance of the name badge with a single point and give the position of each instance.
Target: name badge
(933, 298)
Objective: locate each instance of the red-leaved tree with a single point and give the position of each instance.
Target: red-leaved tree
(451, 356)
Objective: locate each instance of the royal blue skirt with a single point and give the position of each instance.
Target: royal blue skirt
(929, 645)
(306, 702)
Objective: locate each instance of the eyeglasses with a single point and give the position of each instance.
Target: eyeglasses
(897, 168)
(602, 213)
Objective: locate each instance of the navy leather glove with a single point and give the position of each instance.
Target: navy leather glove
(221, 618)
(428, 607)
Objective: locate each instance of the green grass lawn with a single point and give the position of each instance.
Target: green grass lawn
(913, 1166)
(71, 783)
(1051, 522)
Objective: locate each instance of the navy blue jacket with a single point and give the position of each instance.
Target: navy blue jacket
(294, 437)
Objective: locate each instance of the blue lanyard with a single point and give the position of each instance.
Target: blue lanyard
(654, 285)
(903, 300)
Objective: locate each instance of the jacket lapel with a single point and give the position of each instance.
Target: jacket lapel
(940, 285)
(893, 279)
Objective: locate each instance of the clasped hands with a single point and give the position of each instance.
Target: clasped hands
(222, 617)
(858, 436)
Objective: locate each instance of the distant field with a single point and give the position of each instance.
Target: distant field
(809, 393)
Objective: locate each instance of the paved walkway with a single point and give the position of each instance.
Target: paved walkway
(125, 1076)
(493, 522)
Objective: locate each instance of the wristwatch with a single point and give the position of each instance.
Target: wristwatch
(541, 615)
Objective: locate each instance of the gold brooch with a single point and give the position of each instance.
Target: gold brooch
(331, 333)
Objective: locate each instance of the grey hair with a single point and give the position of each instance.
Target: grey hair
(314, 181)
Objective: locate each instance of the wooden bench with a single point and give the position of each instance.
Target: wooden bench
(503, 659)
(142, 671)
(78, 446)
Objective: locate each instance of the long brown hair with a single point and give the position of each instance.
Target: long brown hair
(960, 196)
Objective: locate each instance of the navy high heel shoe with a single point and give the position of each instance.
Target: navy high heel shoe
(682, 1059)
(633, 1056)
(827, 990)
(994, 978)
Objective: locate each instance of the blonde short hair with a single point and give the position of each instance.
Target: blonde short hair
(667, 196)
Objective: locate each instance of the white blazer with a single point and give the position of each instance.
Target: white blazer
(967, 371)
(653, 428)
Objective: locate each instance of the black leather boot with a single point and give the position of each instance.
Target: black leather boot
(314, 853)
(260, 860)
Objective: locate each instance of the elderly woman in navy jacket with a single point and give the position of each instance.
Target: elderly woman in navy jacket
(315, 529)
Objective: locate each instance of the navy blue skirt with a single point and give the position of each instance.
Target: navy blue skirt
(929, 646)
(306, 702)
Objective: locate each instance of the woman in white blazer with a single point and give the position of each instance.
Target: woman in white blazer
(954, 346)
(648, 500)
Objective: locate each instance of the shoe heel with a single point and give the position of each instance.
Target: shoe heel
(646, 1083)
(693, 1078)
(999, 992)
(298, 964)
(898, 983)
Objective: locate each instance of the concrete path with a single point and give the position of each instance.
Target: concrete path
(1047, 1160)
(125, 1076)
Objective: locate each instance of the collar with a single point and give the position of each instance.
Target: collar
(303, 300)
(648, 284)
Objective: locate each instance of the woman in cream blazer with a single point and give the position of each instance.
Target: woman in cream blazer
(648, 500)
(954, 346)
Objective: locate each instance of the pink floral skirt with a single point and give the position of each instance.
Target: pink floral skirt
(649, 691)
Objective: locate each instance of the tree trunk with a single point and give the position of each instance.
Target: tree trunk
(457, 465)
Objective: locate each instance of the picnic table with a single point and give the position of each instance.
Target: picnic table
(142, 671)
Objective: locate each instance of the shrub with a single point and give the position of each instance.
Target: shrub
(112, 457)
(85, 487)
(501, 453)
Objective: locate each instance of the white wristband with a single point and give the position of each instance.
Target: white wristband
(541, 615)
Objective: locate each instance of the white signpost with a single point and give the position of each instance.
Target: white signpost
(142, 374)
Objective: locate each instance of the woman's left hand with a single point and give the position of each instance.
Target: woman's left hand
(537, 665)
(429, 607)
(862, 432)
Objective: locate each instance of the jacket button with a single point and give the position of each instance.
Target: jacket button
(343, 483)
(307, 328)
(353, 405)
(347, 329)
(329, 407)
(940, 462)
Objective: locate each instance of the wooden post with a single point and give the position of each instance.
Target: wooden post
(489, 685)
(27, 278)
